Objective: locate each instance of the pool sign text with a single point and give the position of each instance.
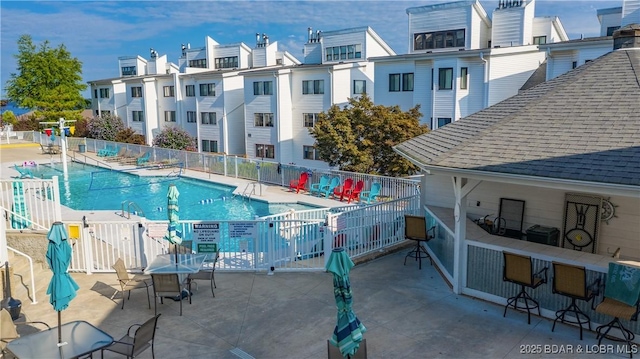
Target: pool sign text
(206, 232)
(243, 229)
(157, 230)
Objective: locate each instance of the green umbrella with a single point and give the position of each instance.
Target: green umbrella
(347, 334)
(173, 235)
(62, 288)
(19, 217)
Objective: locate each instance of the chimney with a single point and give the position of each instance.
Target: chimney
(627, 37)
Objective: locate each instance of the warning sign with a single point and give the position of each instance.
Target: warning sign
(206, 232)
(157, 230)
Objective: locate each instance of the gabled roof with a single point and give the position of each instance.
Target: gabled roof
(581, 126)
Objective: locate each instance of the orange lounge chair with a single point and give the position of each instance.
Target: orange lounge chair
(343, 190)
(299, 184)
(354, 194)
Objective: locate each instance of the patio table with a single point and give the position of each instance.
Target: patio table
(79, 338)
(167, 264)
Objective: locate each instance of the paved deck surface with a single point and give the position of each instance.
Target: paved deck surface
(409, 313)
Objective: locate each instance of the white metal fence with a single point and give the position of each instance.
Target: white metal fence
(30, 203)
(291, 241)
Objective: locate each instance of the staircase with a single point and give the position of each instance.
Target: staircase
(21, 284)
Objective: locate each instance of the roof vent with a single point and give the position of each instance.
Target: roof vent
(627, 37)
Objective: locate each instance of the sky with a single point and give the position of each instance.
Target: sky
(98, 32)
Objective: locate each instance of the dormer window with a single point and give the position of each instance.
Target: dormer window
(539, 40)
(439, 39)
(226, 62)
(128, 70)
(348, 52)
(199, 63)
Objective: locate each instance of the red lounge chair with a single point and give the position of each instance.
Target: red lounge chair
(299, 184)
(343, 190)
(354, 194)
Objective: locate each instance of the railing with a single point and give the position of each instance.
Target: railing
(38, 200)
(137, 209)
(33, 277)
(296, 240)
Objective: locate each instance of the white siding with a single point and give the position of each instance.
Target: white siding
(344, 39)
(382, 95)
(371, 47)
(119, 97)
(259, 55)
(508, 72)
(189, 104)
(151, 112)
(630, 12)
(422, 90)
(479, 34)
(231, 120)
(313, 53)
(259, 104)
(443, 101)
(591, 54)
(470, 100)
(609, 20)
(507, 27)
(284, 148)
(439, 20)
(544, 207)
(560, 63)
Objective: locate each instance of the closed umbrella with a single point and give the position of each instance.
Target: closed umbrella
(20, 215)
(62, 288)
(347, 334)
(173, 235)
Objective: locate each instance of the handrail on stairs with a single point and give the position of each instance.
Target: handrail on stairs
(135, 206)
(33, 280)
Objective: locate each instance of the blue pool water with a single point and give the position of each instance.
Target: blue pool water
(93, 188)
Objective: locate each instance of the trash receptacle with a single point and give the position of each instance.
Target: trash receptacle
(82, 148)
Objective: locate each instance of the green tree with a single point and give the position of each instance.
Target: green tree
(360, 137)
(49, 81)
(8, 117)
(175, 138)
(105, 127)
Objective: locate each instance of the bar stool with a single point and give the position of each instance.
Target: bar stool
(518, 269)
(571, 281)
(415, 230)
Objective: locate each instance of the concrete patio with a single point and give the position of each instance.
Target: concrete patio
(409, 313)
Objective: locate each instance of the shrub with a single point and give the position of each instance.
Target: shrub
(175, 138)
(105, 127)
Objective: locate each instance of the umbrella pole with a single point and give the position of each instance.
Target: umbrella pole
(59, 329)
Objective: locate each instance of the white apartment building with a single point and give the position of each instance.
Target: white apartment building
(334, 69)
(564, 56)
(460, 61)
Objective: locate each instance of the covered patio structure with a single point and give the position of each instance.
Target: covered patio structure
(552, 173)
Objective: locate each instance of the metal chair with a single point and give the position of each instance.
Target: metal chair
(132, 345)
(415, 230)
(9, 331)
(167, 285)
(518, 269)
(621, 301)
(571, 281)
(334, 352)
(205, 273)
(127, 283)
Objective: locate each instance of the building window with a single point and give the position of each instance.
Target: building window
(263, 120)
(104, 93)
(190, 90)
(105, 113)
(336, 53)
(359, 87)
(208, 118)
(201, 63)
(309, 119)
(209, 146)
(574, 64)
(312, 87)
(445, 80)
(95, 93)
(169, 116)
(137, 116)
(136, 92)
(407, 81)
(310, 153)
(169, 91)
(191, 117)
(439, 39)
(265, 151)
(226, 62)
(464, 72)
(263, 87)
(539, 40)
(394, 82)
(207, 89)
(611, 30)
(443, 121)
(128, 70)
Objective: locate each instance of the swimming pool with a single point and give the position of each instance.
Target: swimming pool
(94, 188)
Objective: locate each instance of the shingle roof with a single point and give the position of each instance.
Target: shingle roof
(583, 125)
